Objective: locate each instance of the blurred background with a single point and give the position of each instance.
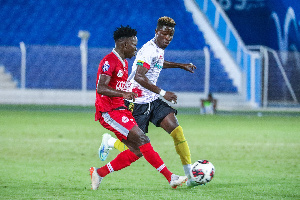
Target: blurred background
(246, 51)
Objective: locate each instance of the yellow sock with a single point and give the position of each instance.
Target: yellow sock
(120, 146)
(181, 145)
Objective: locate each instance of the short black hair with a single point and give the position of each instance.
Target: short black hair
(166, 21)
(124, 31)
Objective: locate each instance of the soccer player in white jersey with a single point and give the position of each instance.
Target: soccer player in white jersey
(148, 107)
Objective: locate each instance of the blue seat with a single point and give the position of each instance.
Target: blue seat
(56, 23)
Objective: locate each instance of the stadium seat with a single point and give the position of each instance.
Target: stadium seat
(50, 28)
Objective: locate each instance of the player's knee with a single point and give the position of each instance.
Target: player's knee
(144, 139)
(137, 139)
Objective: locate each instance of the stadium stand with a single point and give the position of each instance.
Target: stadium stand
(49, 29)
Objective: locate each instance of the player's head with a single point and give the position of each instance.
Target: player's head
(126, 40)
(210, 96)
(164, 31)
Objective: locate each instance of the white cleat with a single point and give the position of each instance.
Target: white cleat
(191, 183)
(104, 148)
(96, 179)
(177, 180)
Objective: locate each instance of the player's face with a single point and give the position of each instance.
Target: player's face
(131, 49)
(164, 36)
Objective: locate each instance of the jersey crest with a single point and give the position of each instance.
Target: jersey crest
(106, 66)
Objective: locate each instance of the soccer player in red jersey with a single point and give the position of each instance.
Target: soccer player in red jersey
(149, 106)
(113, 115)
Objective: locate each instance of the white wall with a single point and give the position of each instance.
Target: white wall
(75, 97)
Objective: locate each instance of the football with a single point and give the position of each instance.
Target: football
(202, 172)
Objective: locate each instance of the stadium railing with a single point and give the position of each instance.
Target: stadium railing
(280, 79)
(249, 62)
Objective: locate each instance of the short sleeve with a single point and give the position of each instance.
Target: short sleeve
(107, 67)
(144, 57)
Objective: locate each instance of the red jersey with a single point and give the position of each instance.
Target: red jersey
(111, 65)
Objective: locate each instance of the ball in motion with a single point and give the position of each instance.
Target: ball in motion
(202, 172)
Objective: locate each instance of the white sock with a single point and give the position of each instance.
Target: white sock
(111, 141)
(187, 169)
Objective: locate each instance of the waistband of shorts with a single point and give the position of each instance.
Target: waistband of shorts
(121, 108)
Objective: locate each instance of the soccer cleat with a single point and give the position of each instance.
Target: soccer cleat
(96, 179)
(191, 183)
(177, 180)
(104, 148)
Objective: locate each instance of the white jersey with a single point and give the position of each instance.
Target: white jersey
(151, 57)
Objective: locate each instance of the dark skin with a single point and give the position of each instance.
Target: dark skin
(163, 37)
(126, 48)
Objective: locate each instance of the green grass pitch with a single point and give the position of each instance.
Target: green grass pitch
(46, 153)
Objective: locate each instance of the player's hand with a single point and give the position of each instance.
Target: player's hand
(130, 95)
(189, 67)
(171, 96)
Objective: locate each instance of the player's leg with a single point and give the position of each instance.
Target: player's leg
(119, 145)
(140, 140)
(163, 115)
(123, 159)
(202, 110)
(120, 123)
(170, 124)
(108, 142)
(104, 147)
(142, 119)
(139, 145)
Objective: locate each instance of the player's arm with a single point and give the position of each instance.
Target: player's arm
(188, 67)
(141, 78)
(104, 89)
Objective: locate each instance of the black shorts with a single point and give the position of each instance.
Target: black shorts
(153, 112)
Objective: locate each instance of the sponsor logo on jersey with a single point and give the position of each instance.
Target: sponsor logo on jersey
(158, 66)
(120, 73)
(125, 119)
(121, 85)
(106, 66)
